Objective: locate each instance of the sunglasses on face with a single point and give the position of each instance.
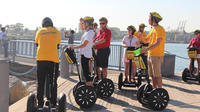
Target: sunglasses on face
(102, 23)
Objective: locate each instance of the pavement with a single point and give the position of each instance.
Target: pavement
(184, 97)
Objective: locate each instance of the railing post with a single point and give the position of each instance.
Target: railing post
(120, 57)
(4, 85)
(14, 50)
(34, 50)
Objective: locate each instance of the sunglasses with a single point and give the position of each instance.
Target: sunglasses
(102, 23)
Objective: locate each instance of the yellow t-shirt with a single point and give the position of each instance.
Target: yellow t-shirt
(142, 37)
(154, 34)
(47, 40)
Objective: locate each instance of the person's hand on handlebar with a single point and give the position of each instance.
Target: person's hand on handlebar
(70, 47)
(143, 50)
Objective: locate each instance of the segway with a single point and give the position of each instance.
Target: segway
(61, 100)
(156, 99)
(143, 71)
(130, 53)
(186, 74)
(104, 87)
(85, 96)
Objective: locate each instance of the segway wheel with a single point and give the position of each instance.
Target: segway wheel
(31, 103)
(85, 96)
(105, 88)
(185, 74)
(142, 93)
(62, 103)
(120, 81)
(158, 99)
(77, 86)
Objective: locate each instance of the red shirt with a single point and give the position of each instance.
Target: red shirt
(106, 34)
(195, 44)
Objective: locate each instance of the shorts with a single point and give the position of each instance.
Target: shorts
(85, 68)
(198, 55)
(154, 65)
(102, 57)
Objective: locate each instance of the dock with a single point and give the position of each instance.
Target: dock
(184, 97)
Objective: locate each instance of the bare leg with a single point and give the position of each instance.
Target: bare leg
(126, 70)
(198, 63)
(159, 82)
(154, 82)
(104, 72)
(133, 70)
(99, 73)
(190, 67)
(90, 64)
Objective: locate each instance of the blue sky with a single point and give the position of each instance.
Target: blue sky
(120, 13)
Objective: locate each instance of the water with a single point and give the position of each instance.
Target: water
(179, 50)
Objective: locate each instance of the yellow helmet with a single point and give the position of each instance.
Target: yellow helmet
(156, 16)
(142, 25)
(88, 19)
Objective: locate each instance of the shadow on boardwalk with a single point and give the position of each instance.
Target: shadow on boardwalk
(183, 105)
(182, 89)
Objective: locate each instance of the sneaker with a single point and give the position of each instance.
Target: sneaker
(126, 80)
(53, 108)
(196, 74)
(40, 110)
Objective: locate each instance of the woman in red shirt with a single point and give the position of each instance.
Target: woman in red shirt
(195, 43)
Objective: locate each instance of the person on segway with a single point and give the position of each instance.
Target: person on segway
(142, 37)
(47, 40)
(195, 43)
(155, 49)
(141, 34)
(102, 44)
(130, 41)
(86, 48)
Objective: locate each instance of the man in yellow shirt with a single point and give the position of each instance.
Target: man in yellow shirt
(155, 50)
(47, 39)
(141, 35)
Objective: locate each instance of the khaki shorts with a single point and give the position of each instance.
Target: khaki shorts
(154, 65)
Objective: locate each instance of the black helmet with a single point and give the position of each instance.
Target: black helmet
(46, 22)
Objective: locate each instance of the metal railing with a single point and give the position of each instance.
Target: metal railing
(27, 49)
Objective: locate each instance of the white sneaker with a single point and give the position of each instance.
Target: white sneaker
(40, 110)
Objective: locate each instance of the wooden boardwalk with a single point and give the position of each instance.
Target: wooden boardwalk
(184, 97)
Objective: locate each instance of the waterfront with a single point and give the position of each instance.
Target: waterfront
(177, 49)
(25, 48)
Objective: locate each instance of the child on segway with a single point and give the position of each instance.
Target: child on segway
(130, 41)
(194, 45)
